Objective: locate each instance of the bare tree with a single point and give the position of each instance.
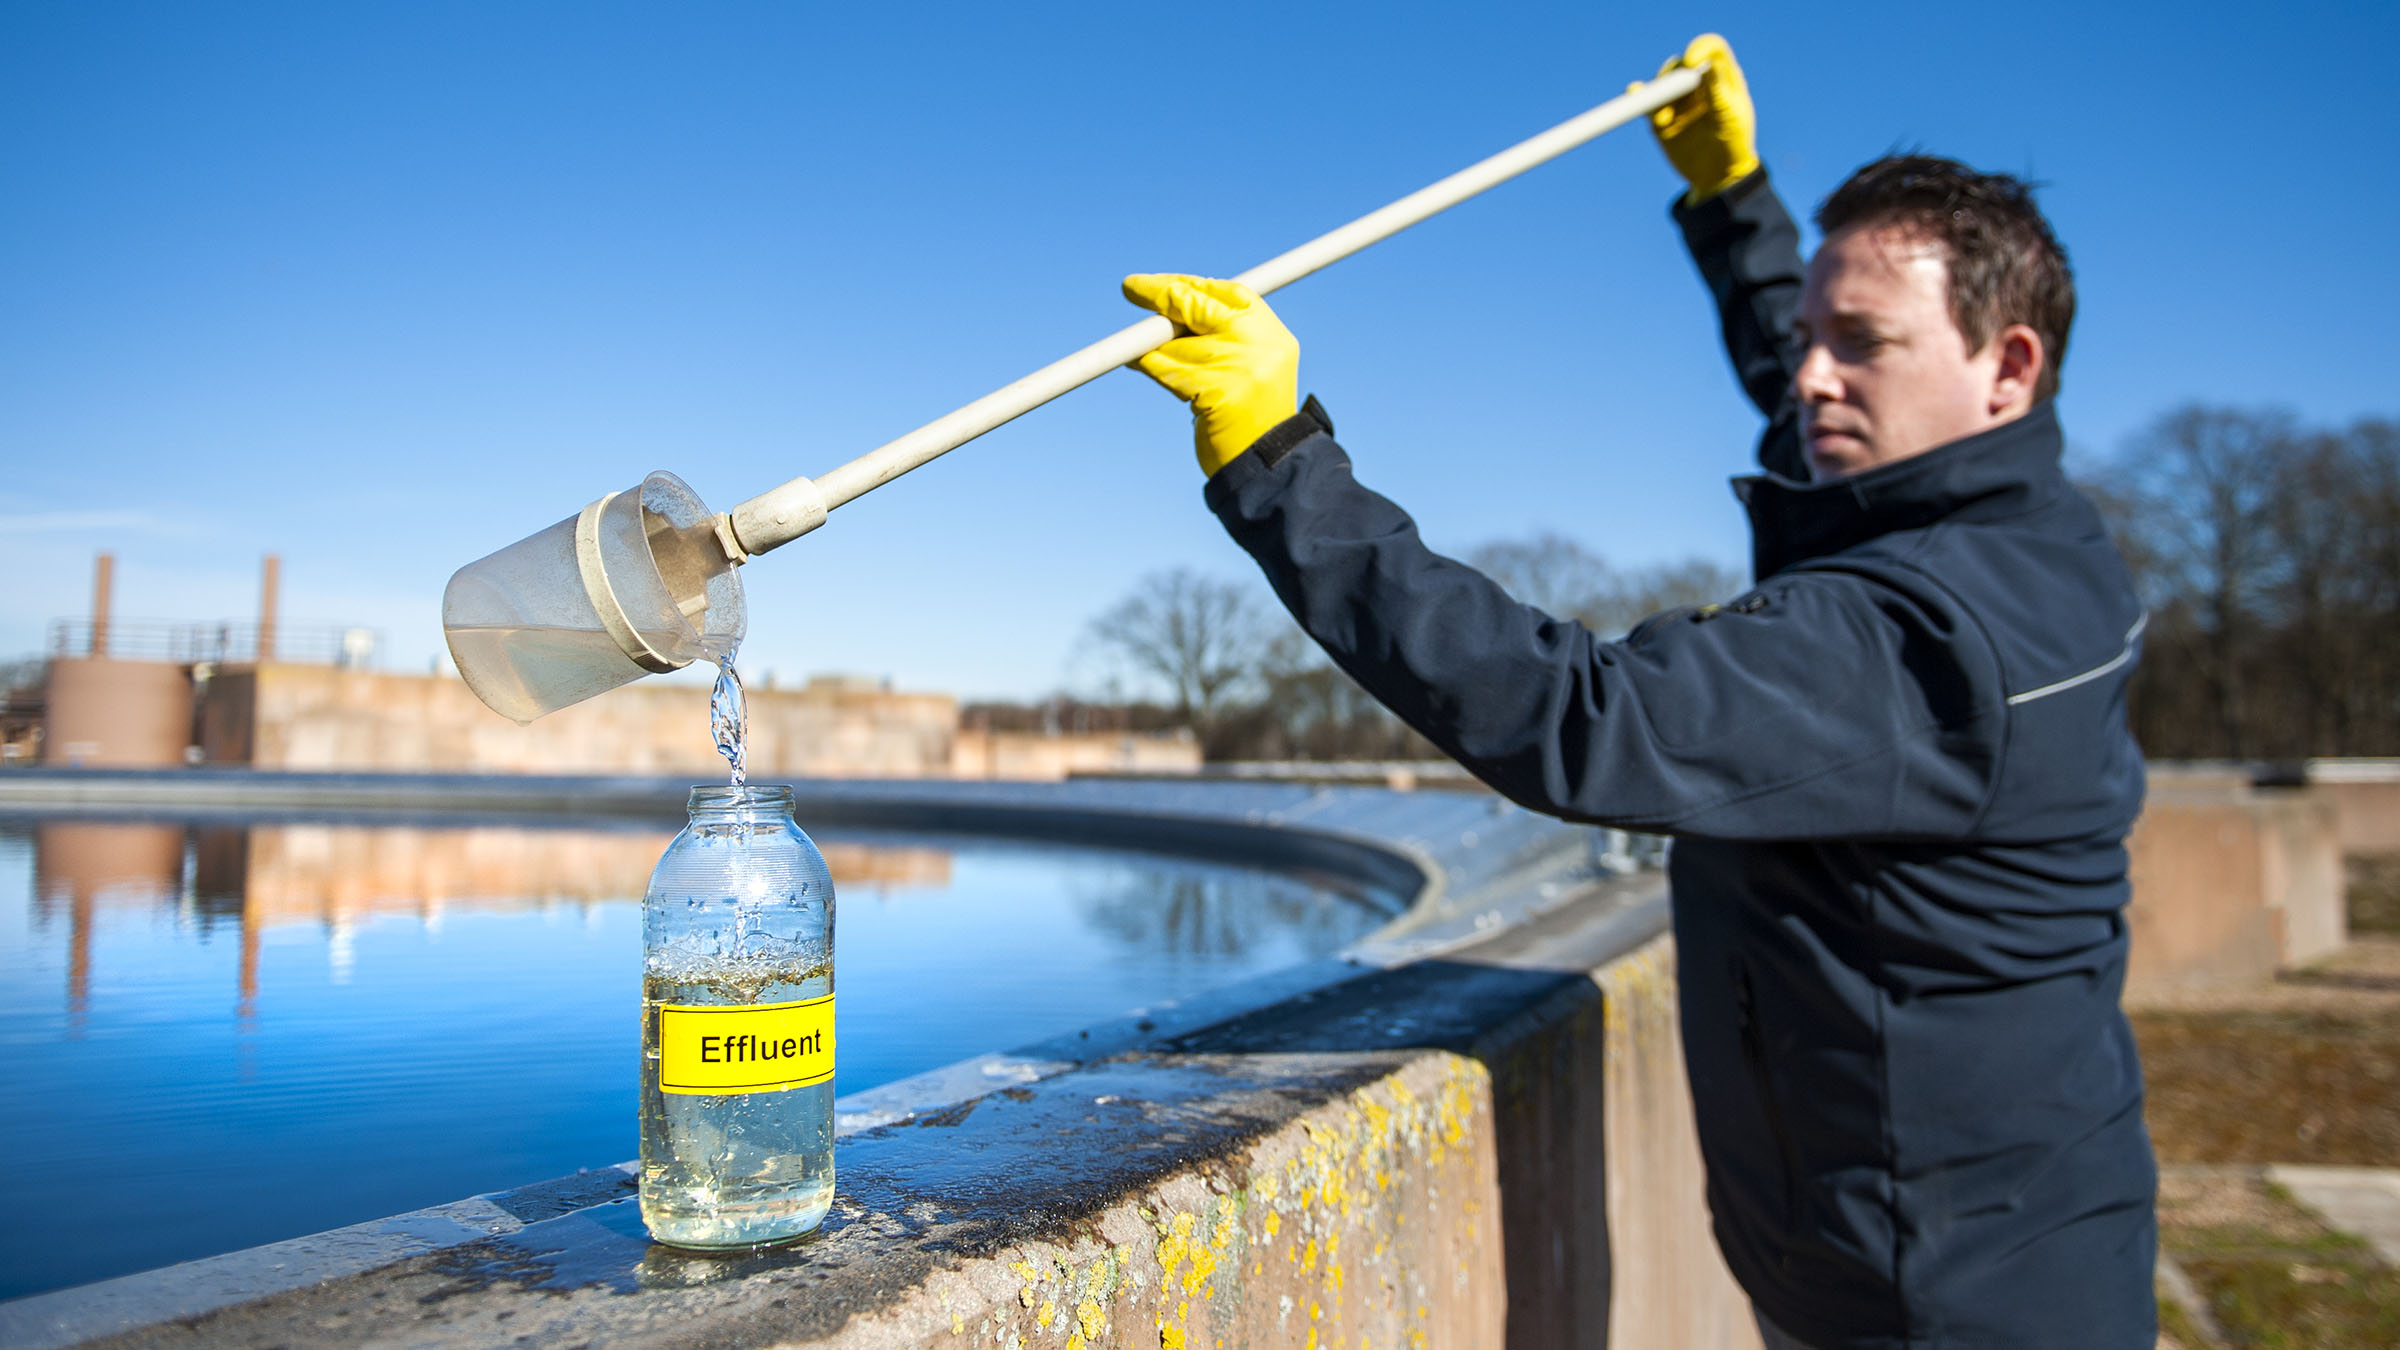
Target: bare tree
(1197, 635)
(2333, 519)
(24, 672)
(2193, 495)
(1310, 709)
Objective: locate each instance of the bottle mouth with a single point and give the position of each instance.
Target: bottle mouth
(726, 797)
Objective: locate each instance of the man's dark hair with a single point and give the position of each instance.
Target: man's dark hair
(2005, 265)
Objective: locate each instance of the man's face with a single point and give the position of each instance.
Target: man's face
(1886, 373)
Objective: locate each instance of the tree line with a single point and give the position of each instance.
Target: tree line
(2268, 553)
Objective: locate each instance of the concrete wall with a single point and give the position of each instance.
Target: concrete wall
(1604, 1231)
(2370, 814)
(1028, 756)
(297, 717)
(130, 714)
(2232, 883)
(2367, 792)
(321, 717)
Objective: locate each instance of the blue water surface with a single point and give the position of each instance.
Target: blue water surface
(221, 1034)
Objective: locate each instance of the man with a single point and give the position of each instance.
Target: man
(1896, 771)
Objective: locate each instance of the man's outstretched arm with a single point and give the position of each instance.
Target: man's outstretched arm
(1820, 705)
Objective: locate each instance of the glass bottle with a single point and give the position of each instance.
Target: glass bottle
(737, 1027)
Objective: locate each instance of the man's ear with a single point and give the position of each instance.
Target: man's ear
(2019, 373)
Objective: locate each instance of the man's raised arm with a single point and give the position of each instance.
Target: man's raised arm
(1744, 241)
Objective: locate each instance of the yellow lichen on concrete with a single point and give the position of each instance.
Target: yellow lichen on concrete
(1173, 1246)
(1644, 977)
(1457, 1106)
(1191, 1256)
(1331, 1196)
(1204, 1264)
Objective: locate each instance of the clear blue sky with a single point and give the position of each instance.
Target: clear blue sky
(382, 288)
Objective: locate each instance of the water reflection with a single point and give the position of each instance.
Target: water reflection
(1207, 914)
(80, 870)
(256, 878)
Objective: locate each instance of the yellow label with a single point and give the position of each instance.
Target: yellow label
(713, 1050)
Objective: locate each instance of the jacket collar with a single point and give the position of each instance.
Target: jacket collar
(1991, 474)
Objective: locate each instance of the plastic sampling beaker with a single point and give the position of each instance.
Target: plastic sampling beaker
(635, 583)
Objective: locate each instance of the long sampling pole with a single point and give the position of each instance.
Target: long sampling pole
(779, 515)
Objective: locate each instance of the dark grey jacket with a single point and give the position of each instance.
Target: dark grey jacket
(1899, 780)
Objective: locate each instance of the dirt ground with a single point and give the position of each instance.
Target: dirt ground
(2305, 1069)
(2375, 894)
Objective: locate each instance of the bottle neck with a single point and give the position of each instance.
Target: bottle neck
(726, 802)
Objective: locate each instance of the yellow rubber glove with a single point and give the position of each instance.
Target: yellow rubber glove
(1236, 364)
(1711, 134)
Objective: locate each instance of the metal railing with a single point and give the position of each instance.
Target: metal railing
(319, 644)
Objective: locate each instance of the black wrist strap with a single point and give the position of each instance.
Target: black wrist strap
(1280, 438)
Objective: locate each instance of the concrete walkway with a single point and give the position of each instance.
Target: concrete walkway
(2364, 1201)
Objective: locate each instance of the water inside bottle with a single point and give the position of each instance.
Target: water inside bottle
(742, 1169)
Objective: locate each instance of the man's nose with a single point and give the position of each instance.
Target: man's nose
(1814, 382)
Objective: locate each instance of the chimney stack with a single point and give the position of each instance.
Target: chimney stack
(104, 569)
(270, 577)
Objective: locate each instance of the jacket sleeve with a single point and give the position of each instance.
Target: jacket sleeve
(1748, 251)
(1821, 705)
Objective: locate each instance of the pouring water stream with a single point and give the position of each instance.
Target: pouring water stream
(729, 718)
